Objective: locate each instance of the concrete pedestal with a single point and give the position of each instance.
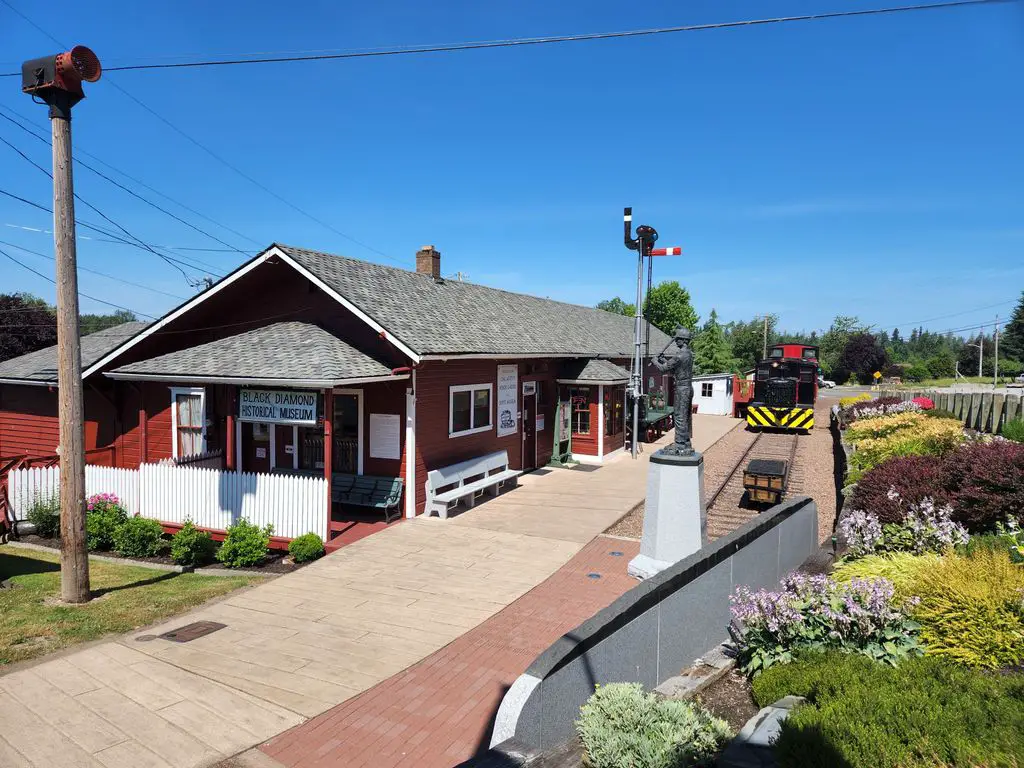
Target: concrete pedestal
(675, 521)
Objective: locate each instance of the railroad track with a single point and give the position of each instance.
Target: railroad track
(726, 507)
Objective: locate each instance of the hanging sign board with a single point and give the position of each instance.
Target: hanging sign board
(508, 400)
(277, 406)
(384, 435)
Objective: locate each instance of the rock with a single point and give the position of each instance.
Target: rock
(752, 747)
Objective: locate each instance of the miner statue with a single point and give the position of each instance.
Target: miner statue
(675, 519)
(680, 367)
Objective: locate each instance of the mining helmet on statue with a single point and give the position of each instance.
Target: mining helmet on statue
(683, 332)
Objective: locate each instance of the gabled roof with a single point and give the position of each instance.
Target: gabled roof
(292, 353)
(40, 367)
(450, 317)
(593, 372)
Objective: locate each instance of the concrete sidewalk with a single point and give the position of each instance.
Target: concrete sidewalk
(304, 643)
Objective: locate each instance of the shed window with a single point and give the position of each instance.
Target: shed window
(469, 409)
(707, 389)
(580, 397)
(188, 422)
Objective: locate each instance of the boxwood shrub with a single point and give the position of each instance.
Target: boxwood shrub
(924, 712)
(245, 544)
(139, 537)
(306, 547)
(622, 726)
(190, 546)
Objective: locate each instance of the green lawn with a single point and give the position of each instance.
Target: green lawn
(949, 382)
(125, 598)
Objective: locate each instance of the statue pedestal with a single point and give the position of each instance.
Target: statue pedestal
(675, 521)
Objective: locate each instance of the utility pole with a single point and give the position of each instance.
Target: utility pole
(995, 357)
(764, 353)
(57, 80)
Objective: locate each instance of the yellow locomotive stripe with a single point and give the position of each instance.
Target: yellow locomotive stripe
(800, 422)
(756, 418)
(766, 416)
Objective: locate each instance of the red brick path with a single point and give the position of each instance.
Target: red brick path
(438, 713)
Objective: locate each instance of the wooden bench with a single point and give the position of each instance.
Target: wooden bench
(382, 493)
(466, 481)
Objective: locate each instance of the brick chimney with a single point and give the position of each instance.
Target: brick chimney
(428, 261)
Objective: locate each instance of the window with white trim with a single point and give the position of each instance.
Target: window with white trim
(707, 389)
(469, 409)
(188, 421)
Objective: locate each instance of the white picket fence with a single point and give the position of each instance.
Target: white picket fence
(211, 498)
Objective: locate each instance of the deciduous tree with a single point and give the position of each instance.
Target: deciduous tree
(618, 307)
(668, 306)
(27, 323)
(861, 357)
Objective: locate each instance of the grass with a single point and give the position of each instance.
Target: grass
(125, 598)
(950, 381)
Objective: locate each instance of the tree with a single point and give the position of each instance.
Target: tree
(27, 323)
(91, 323)
(711, 352)
(1012, 338)
(747, 340)
(861, 357)
(834, 342)
(617, 306)
(942, 365)
(668, 306)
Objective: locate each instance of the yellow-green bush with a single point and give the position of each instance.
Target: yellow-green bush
(901, 568)
(846, 402)
(902, 434)
(971, 608)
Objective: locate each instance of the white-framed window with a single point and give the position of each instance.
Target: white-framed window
(470, 409)
(188, 421)
(707, 389)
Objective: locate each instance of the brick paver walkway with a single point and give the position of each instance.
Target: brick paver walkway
(439, 712)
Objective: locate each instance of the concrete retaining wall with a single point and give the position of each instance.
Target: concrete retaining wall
(983, 411)
(655, 630)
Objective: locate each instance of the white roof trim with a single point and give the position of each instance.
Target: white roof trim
(315, 383)
(346, 303)
(29, 382)
(526, 356)
(593, 382)
(175, 314)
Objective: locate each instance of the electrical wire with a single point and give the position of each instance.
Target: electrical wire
(154, 190)
(23, 265)
(41, 231)
(131, 192)
(95, 272)
(114, 237)
(519, 42)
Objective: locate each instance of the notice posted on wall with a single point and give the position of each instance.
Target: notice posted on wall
(508, 400)
(385, 432)
(540, 422)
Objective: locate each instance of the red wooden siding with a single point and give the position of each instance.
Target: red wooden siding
(435, 449)
(28, 420)
(388, 398)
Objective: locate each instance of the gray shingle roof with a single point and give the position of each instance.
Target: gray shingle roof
(288, 351)
(41, 365)
(453, 317)
(601, 371)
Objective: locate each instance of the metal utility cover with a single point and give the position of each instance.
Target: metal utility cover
(192, 631)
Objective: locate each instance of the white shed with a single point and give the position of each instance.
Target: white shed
(712, 393)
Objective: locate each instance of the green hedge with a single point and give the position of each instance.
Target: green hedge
(925, 712)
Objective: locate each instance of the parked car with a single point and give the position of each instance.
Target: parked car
(826, 383)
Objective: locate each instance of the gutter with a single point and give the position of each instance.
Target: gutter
(307, 383)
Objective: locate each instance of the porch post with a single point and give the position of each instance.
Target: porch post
(600, 422)
(229, 449)
(328, 447)
(143, 433)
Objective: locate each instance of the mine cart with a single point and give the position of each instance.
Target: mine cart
(765, 480)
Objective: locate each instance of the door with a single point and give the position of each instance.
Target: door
(345, 451)
(255, 447)
(529, 431)
(285, 446)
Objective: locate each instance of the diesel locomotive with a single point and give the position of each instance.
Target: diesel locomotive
(785, 389)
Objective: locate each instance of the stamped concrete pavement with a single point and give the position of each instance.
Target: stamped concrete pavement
(301, 644)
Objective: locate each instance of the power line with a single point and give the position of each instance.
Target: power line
(95, 272)
(113, 235)
(943, 317)
(131, 192)
(23, 265)
(519, 42)
(41, 231)
(128, 176)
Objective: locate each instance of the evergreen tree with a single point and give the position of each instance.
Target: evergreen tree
(711, 352)
(1012, 338)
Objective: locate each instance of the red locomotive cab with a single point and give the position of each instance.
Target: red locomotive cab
(793, 352)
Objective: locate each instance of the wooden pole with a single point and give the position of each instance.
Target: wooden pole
(74, 556)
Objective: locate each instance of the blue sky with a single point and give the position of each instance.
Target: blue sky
(867, 166)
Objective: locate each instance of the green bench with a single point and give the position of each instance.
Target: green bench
(382, 493)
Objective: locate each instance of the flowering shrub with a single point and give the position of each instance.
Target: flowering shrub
(983, 482)
(903, 434)
(924, 528)
(104, 515)
(1012, 535)
(846, 402)
(816, 612)
(874, 412)
(866, 403)
(924, 403)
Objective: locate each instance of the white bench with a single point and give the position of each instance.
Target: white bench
(466, 481)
